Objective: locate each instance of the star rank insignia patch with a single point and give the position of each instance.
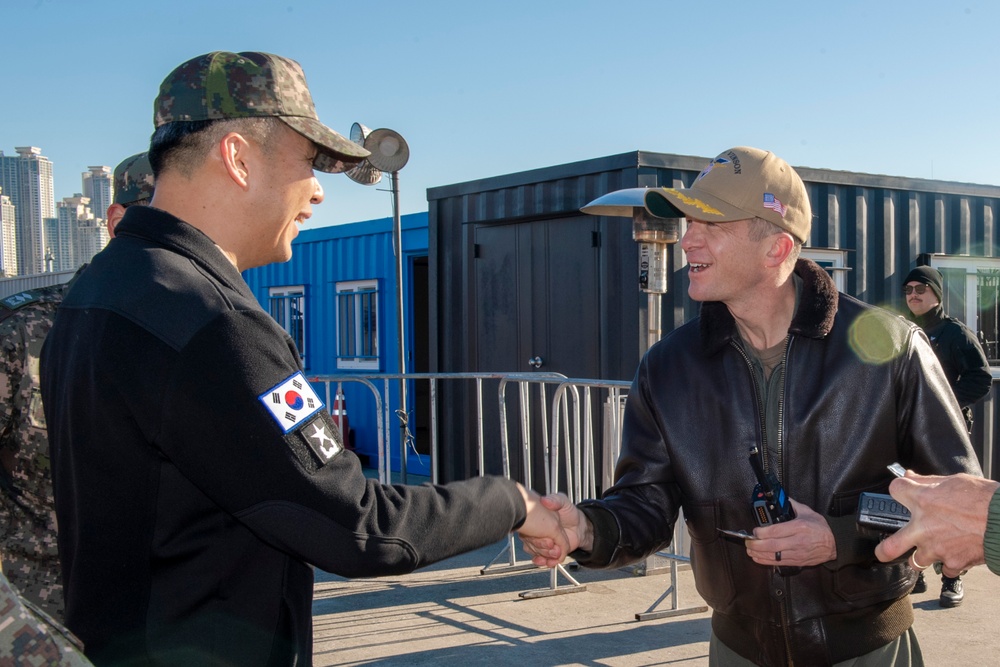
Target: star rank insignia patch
(322, 437)
(291, 402)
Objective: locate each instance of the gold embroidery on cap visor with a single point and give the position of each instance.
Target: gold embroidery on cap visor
(697, 203)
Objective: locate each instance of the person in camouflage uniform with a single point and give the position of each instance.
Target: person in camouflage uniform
(27, 508)
(133, 186)
(29, 636)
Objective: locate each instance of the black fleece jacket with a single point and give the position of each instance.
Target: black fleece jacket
(197, 476)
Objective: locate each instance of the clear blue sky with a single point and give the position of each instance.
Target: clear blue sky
(482, 89)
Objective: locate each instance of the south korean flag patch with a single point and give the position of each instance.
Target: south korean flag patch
(291, 402)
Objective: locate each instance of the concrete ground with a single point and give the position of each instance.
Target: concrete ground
(450, 615)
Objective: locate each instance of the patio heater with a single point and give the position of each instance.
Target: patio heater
(654, 234)
(389, 153)
(655, 227)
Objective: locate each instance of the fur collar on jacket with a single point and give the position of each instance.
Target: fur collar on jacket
(813, 317)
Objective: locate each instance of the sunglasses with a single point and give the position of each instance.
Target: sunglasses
(919, 289)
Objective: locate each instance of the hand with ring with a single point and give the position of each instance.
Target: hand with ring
(804, 541)
(914, 564)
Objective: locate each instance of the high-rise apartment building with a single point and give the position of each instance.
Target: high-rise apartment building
(8, 236)
(98, 185)
(74, 236)
(61, 233)
(27, 180)
(91, 237)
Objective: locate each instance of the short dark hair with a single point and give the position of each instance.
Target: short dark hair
(182, 145)
(759, 229)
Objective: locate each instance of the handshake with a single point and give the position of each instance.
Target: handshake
(554, 528)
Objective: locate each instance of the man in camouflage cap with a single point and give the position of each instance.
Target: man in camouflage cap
(27, 509)
(223, 85)
(200, 475)
(133, 185)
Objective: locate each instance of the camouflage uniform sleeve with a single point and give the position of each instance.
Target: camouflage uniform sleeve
(11, 370)
(29, 636)
(28, 526)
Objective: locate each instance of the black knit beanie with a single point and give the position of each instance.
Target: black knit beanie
(928, 276)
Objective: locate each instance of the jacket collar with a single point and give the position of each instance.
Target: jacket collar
(161, 228)
(813, 318)
(930, 319)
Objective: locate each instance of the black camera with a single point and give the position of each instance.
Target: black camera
(880, 515)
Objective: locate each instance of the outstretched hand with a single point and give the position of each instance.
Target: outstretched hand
(947, 520)
(554, 528)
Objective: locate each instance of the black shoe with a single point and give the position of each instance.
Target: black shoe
(952, 592)
(921, 585)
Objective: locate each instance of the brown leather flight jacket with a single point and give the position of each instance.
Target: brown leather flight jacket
(862, 389)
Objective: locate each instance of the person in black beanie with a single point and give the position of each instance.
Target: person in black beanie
(964, 364)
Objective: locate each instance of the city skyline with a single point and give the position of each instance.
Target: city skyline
(39, 234)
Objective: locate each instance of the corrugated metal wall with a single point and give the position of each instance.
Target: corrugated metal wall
(320, 259)
(885, 222)
(882, 222)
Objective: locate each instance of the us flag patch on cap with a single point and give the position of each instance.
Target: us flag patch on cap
(291, 402)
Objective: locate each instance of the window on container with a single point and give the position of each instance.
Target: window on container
(833, 260)
(287, 305)
(987, 299)
(357, 324)
(972, 294)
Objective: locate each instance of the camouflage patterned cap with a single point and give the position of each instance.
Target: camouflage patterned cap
(133, 180)
(222, 85)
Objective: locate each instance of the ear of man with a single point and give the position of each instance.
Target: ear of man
(237, 157)
(115, 213)
(780, 249)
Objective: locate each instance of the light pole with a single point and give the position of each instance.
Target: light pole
(389, 153)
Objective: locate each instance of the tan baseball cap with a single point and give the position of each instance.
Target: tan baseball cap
(739, 184)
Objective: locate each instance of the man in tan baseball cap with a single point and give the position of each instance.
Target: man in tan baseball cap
(820, 390)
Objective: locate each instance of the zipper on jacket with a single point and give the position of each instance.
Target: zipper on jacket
(781, 468)
(761, 408)
(762, 411)
(781, 409)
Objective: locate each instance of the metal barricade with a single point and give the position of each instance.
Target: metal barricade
(580, 475)
(339, 380)
(573, 461)
(574, 464)
(384, 410)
